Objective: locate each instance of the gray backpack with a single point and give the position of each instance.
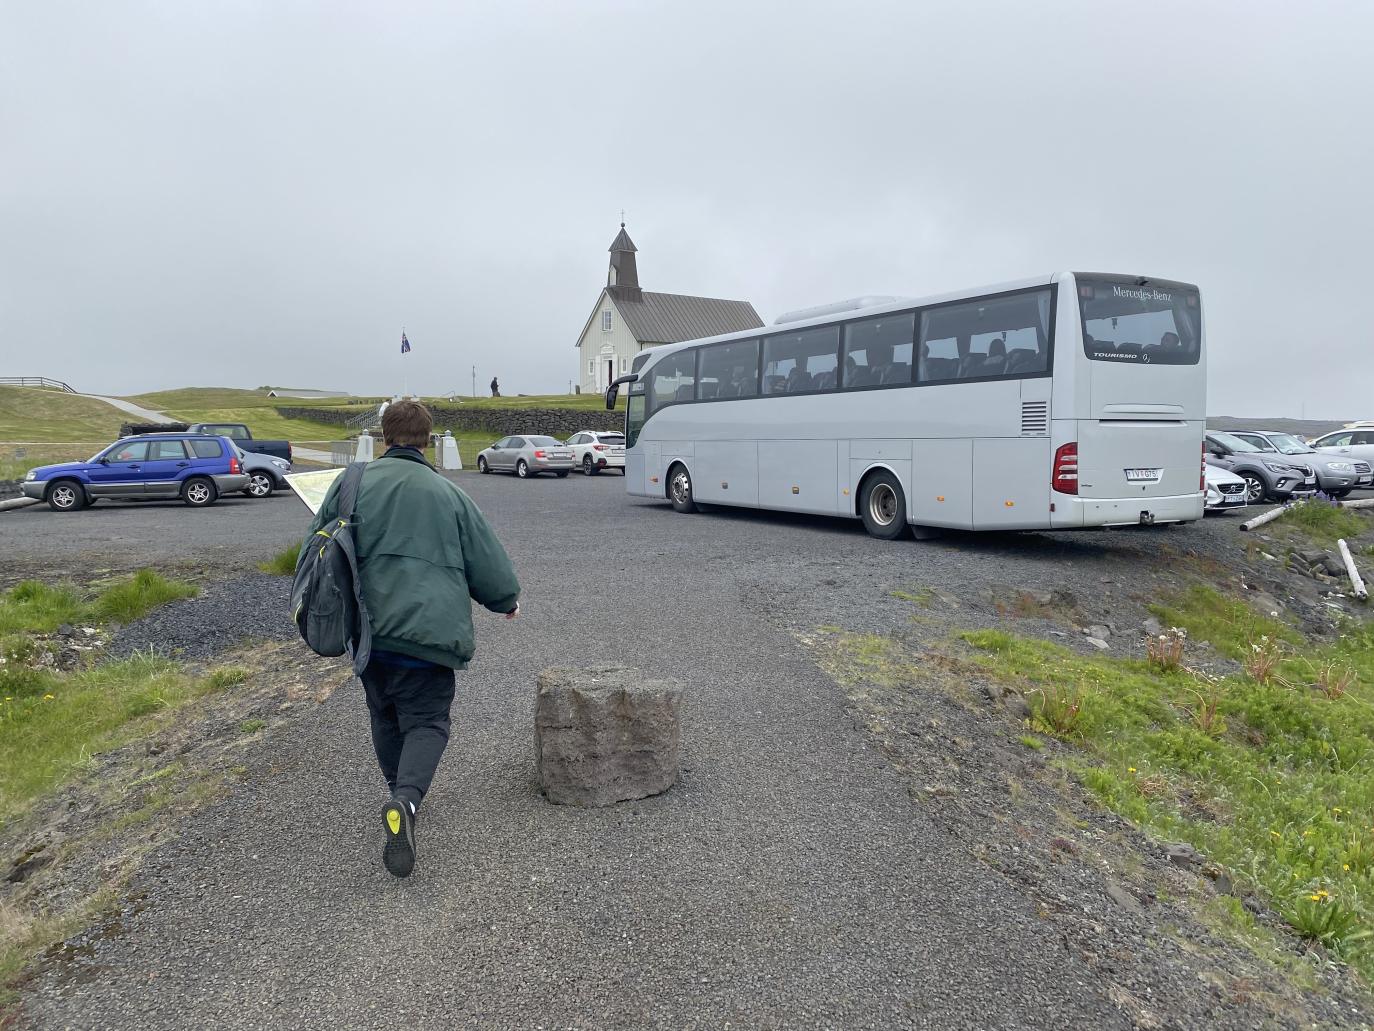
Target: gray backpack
(326, 597)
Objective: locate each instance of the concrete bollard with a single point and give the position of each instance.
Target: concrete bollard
(605, 735)
(448, 452)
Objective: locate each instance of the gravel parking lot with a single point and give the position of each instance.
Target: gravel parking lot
(788, 880)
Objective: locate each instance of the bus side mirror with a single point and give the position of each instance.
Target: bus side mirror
(613, 391)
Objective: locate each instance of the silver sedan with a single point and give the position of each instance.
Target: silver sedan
(526, 456)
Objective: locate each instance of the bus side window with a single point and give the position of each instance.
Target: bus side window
(877, 352)
(802, 361)
(729, 370)
(988, 338)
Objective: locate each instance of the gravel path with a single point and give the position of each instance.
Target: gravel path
(789, 880)
(224, 614)
(146, 414)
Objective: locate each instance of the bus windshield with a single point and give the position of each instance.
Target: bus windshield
(1124, 321)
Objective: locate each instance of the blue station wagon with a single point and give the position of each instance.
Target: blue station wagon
(197, 468)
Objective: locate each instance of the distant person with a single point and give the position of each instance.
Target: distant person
(423, 551)
(495, 388)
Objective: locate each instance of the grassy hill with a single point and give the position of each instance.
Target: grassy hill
(33, 414)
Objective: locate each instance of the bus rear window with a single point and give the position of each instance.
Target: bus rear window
(1130, 323)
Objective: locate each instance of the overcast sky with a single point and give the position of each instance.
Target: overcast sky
(235, 194)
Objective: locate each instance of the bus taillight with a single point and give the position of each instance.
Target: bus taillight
(1065, 478)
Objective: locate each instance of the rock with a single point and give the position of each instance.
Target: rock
(1098, 643)
(1017, 705)
(605, 735)
(1063, 598)
(1153, 627)
(64, 630)
(1098, 630)
(1183, 854)
(1334, 566)
(1122, 897)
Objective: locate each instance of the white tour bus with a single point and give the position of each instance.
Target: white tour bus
(1072, 400)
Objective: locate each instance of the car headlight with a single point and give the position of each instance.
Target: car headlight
(1283, 470)
(1340, 467)
(33, 475)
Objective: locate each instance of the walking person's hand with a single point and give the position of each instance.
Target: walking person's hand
(514, 613)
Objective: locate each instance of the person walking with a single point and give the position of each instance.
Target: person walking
(425, 552)
(495, 388)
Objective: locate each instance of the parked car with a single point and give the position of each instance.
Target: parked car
(594, 450)
(1225, 490)
(197, 468)
(526, 455)
(1266, 475)
(1351, 442)
(265, 473)
(241, 435)
(1336, 475)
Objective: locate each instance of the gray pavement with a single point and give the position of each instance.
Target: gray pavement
(787, 881)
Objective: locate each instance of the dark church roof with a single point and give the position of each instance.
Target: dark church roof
(656, 318)
(668, 318)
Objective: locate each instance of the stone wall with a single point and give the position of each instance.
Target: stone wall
(555, 422)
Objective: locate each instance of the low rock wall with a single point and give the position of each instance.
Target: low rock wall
(555, 422)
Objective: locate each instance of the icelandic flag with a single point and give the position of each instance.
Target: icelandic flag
(405, 344)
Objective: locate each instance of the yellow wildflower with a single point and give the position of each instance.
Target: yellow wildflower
(1130, 769)
(48, 697)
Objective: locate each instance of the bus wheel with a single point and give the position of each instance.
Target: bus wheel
(680, 489)
(882, 504)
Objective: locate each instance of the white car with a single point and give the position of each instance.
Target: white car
(1225, 490)
(1354, 442)
(594, 450)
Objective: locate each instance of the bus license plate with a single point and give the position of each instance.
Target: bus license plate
(1143, 475)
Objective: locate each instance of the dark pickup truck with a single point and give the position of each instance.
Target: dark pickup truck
(243, 437)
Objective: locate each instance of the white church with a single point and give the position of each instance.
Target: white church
(627, 319)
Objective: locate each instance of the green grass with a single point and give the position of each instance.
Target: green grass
(283, 563)
(1271, 780)
(133, 599)
(1325, 523)
(46, 735)
(54, 417)
(252, 726)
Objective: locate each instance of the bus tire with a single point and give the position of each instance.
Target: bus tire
(882, 506)
(680, 489)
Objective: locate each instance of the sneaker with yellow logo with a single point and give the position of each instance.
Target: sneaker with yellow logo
(398, 854)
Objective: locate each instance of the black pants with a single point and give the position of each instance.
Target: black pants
(410, 720)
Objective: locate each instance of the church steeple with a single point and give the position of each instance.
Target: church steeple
(622, 278)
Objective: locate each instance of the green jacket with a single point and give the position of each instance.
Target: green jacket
(423, 550)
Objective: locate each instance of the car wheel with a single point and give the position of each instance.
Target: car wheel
(680, 489)
(1254, 488)
(199, 492)
(522, 469)
(260, 485)
(882, 505)
(588, 466)
(482, 466)
(66, 496)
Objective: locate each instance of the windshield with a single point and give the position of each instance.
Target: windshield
(1288, 444)
(1139, 321)
(1243, 447)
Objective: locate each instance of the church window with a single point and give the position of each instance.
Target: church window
(606, 321)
